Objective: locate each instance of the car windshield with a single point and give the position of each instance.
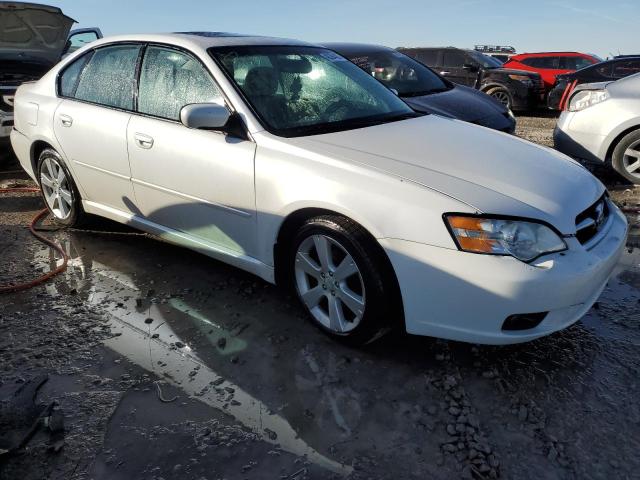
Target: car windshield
(400, 72)
(485, 60)
(299, 91)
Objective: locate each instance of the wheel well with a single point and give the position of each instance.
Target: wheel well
(609, 157)
(36, 149)
(287, 232)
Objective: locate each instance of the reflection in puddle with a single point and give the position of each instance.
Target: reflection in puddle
(143, 335)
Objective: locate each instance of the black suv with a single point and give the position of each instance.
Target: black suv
(608, 71)
(517, 89)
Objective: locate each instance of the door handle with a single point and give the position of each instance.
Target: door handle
(143, 141)
(66, 120)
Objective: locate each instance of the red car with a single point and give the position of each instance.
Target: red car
(550, 64)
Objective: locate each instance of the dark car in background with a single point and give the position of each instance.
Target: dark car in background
(516, 89)
(33, 38)
(425, 90)
(607, 71)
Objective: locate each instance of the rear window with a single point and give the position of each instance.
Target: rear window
(626, 68)
(542, 62)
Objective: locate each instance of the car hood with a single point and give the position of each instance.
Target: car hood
(513, 71)
(491, 172)
(34, 32)
(459, 102)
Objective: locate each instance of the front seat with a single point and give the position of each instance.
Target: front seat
(261, 85)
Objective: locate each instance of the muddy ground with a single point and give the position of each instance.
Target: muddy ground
(166, 364)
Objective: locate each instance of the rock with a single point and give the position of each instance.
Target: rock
(222, 342)
(522, 413)
(449, 448)
(179, 345)
(451, 429)
(148, 320)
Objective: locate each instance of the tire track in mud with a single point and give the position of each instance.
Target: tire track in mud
(468, 447)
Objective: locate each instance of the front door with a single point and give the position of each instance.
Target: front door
(193, 181)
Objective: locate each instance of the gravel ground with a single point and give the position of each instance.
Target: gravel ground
(166, 364)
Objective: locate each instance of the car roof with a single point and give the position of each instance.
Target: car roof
(205, 40)
(349, 48)
(545, 54)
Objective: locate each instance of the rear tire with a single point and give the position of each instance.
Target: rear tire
(626, 157)
(502, 95)
(58, 189)
(342, 280)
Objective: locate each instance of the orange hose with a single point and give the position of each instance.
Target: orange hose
(46, 241)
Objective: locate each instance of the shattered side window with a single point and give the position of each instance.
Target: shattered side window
(109, 78)
(71, 76)
(169, 80)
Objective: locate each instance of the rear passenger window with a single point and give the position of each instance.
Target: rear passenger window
(169, 80)
(109, 77)
(543, 62)
(428, 57)
(453, 58)
(71, 76)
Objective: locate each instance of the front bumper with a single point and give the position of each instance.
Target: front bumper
(6, 124)
(464, 296)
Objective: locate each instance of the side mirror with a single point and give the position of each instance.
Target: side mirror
(206, 116)
(470, 67)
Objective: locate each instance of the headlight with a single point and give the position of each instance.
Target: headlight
(524, 240)
(587, 98)
(521, 78)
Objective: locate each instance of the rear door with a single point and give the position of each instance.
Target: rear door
(197, 182)
(91, 122)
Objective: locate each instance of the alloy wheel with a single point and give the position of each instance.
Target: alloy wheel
(502, 97)
(329, 283)
(56, 188)
(631, 159)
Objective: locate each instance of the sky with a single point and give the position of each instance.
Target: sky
(590, 26)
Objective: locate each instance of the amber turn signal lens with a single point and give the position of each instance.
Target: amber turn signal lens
(471, 235)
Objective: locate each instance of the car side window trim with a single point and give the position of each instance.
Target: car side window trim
(143, 48)
(92, 53)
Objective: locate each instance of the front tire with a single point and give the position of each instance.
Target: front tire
(626, 157)
(59, 191)
(502, 95)
(341, 279)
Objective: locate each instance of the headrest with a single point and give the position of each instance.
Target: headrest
(261, 81)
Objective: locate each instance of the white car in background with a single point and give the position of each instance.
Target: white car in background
(287, 160)
(602, 125)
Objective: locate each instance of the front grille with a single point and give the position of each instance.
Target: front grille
(591, 221)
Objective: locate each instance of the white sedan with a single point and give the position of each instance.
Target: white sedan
(286, 160)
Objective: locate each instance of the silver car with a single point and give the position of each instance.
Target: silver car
(602, 124)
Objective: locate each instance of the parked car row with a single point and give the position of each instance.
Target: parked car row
(287, 160)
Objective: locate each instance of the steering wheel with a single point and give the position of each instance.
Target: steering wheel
(335, 107)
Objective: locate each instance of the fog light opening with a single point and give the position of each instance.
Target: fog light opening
(524, 321)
